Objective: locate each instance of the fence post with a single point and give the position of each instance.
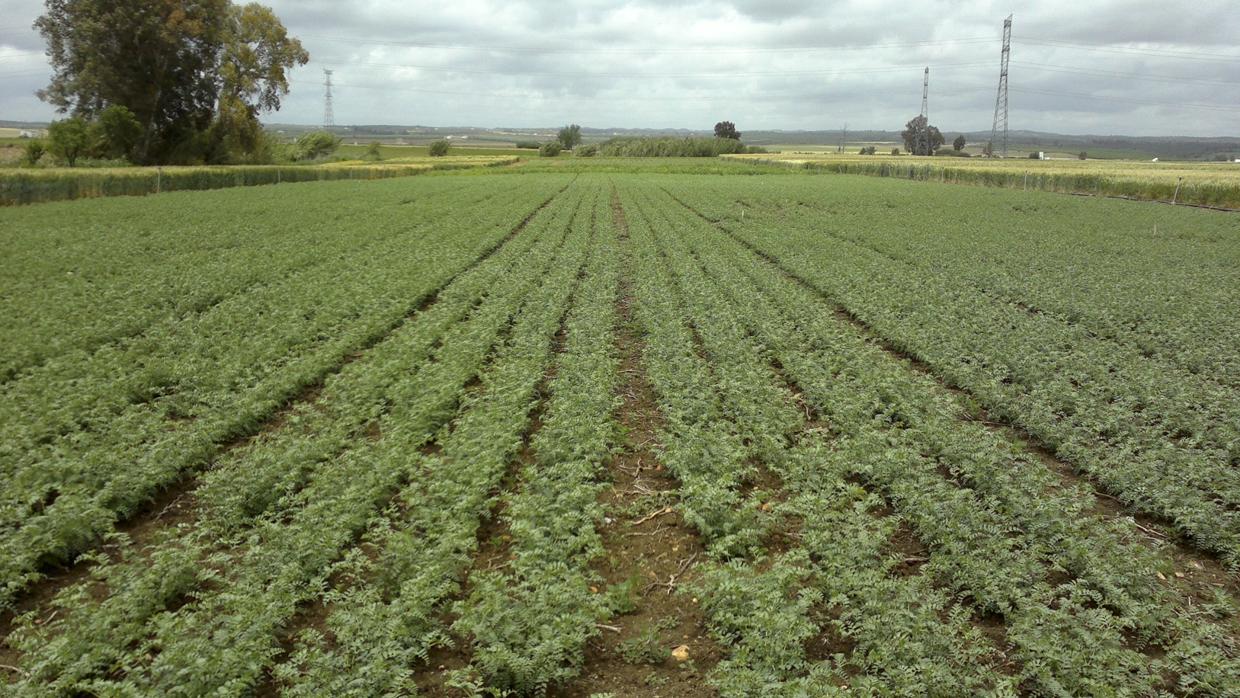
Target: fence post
(1176, 195)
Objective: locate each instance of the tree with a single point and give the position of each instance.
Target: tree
(895, 151)
(550, 149)
(175, 64)
(68, 139)
(116, 133)
(727, 129)
(374, 152)
(314, 145)
(569, 136)
(33, 152)
(920, 138)
(959, 144)
(1082, 155)
(439, 148)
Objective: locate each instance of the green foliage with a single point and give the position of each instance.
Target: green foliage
(867, 150)
(921, 138)
(727, 129)
(647, 647)
(569, 136)
(314, 146)
(586, 151)
(670, 147)
(68, 139)
(550, 149)
(32, 152)
(959, 143)
(115, 134)
(527, 145)
(439, 148)
(374, 151)
(170, 65)
(895, 151)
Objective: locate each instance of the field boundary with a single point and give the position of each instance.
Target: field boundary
(43, 186)
(1084, 185)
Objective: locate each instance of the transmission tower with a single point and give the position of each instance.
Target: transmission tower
(922, 145)
(1000, 127)
(329, 119)
(843, 139)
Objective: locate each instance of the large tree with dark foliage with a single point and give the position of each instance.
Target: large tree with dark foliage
(727, 129)
(194, 73)
(920, 138)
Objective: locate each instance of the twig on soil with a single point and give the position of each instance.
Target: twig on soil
(15, 670)
(647, 517)
(612, 628)
(671, 580)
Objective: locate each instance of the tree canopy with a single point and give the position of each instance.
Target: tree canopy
(727, 129)
(195, 74)
(569, 136)
(920, 138)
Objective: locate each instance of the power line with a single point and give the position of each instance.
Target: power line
(645, 49)
(1113, 73)
(643, 76)
(1137, 50)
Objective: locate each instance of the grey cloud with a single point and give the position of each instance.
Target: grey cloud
(600, 63)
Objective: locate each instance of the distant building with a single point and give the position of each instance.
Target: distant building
(27, 134)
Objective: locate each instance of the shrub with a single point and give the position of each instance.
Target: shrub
(69, 139)
(895, 151)
(550, 149)
(755, 150)
(671, 147)
(528, 145)
(33, 152)
(586, 151)
(868, 150)
(1082, 155)
(439, 148)
(373, 152)
(314, 145)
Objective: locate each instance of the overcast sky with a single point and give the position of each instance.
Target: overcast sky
(1138, 67)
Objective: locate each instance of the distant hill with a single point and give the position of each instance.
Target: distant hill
(1019, 142)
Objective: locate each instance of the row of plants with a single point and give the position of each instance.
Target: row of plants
(999, 528)
(768, 605)
(1156, 280)
(386, 615)
(1203, 191)
(1165, 447)
(273, 518)
(88, 442)
(77, 284)
(528, 622)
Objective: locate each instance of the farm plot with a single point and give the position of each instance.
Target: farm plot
(605, 434)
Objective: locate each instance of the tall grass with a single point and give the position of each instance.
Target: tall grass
(1202, 186)
(37, 186)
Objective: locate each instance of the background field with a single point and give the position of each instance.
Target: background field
(1216, 184)
(567, 428)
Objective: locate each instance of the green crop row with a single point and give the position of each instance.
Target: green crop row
(385, 620)
(994, 540)
(273, 519)
(530, 619)
(87, 443)
(77, 283)
(1166, 443)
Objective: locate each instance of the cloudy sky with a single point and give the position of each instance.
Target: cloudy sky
(1138, 67)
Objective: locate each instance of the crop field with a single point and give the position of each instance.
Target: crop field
(568, 432)
(1206, 184)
